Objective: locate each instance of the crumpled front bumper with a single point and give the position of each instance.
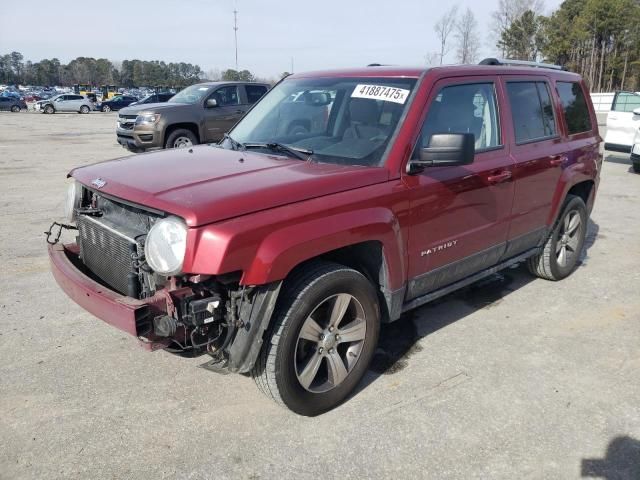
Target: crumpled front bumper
(127, 314)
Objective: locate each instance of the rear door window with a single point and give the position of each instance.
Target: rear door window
(531, 111)
(574, 107)
(254, 92)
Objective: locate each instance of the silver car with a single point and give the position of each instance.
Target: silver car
(66, 102)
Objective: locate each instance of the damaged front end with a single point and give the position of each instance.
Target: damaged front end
(107, 273)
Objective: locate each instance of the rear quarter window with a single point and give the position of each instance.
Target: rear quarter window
(254, 92)
(626, 102)
(574, 107)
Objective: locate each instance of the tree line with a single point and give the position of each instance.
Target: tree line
(101, 71)
(599, 39)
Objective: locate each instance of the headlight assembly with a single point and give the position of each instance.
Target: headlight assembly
(147, 118)
(165, 246)
(72, 201)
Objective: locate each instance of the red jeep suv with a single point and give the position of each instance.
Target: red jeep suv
(341, 200)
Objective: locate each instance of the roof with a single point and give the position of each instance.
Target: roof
(454, 70)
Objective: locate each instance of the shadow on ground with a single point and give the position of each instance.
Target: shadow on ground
(621, 462)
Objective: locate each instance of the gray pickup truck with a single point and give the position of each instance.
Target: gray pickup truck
(201, 113)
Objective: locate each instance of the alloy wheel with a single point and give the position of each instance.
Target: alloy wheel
(568, 238)
(330, 343)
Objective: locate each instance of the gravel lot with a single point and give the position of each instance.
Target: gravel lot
(510, 378)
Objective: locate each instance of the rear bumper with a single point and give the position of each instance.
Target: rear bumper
(127, 314)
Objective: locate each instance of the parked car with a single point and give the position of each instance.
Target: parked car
(116, 103)
(12, 104)
(623, 122)
(200, 113)
(154, 98)
(279, 254)
(65, 103)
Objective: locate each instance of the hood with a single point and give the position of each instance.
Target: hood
(153, 107)
(207, 184)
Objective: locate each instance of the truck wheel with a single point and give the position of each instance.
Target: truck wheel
(84, 109)
(49, 109)
(324, 333)
(562, 249)
(181, 138)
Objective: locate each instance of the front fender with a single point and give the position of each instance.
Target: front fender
(283, 249)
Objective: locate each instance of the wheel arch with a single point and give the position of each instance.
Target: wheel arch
(367, 241)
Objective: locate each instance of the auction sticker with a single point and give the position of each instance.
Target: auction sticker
(380, 92)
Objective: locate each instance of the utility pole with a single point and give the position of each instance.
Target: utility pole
(235, 32)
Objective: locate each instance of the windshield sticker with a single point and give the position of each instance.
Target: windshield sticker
(380, 92)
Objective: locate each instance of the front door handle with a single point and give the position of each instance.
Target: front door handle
(555, 160)
(499, 177)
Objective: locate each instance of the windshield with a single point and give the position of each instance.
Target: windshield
(347, 121)
(192, 94)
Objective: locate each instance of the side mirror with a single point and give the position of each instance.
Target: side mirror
(445, 150)
(636, 111)
(212, 102)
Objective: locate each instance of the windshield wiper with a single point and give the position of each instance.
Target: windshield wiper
(235, 145)
(299, 153)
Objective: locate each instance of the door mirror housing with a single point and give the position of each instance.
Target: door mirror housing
(445, 150)
(212, 103)
(636, 111)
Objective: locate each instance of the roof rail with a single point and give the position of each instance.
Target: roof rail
(519, 63)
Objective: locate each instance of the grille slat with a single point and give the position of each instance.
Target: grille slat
(106, 253)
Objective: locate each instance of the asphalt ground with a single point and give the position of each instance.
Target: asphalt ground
(513, 377)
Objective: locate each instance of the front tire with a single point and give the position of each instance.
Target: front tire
(181, 138)
(15, 109)
(636, 166)
(324, 334)
(49, 109)
(561, 252)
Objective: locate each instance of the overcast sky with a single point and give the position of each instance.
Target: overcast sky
(326, 34)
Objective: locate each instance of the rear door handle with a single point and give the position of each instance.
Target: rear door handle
(499, 177)
(555, 160)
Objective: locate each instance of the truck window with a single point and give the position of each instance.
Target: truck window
(254, 92)
(226, 96)
(574, 107)
(469, 108)
(531, 110)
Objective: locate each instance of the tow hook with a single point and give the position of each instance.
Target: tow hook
(56, 236)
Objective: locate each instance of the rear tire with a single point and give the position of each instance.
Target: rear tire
(106, 108)
(84, 109)
(561, 252)
(181, 138)
(636, 166)
(310, 365)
